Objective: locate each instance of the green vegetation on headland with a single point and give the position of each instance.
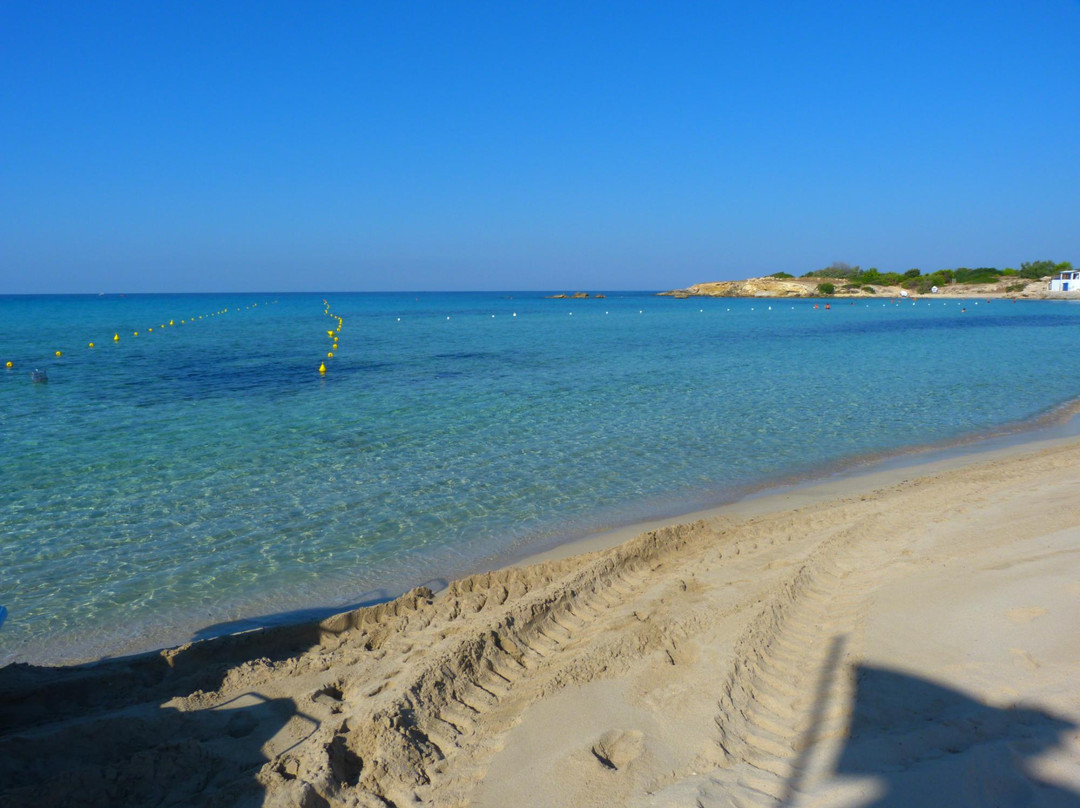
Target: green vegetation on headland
(1030, 281)
(916, 281)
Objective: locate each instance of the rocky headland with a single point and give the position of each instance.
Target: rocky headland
(1009, 287)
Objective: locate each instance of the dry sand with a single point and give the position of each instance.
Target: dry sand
(907, 639)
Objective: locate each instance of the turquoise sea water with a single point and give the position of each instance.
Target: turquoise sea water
(159, 487)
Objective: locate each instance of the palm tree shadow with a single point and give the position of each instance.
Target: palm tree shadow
(929, 745)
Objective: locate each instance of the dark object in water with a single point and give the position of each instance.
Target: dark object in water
(38, 376)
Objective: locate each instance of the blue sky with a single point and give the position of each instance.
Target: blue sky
(429, 146)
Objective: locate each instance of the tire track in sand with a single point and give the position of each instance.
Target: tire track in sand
(784, 703)
(429, 738)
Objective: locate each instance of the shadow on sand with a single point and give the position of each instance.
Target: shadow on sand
(292, 617)
(99, 735)
(925, 744)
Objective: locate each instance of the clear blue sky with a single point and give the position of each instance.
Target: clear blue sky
(187, 146)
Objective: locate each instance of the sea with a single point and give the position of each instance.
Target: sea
(193, 473)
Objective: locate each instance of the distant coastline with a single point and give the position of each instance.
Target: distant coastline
(1031, 282)
(808, 287)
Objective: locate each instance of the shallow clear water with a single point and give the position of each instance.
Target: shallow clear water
(205, 472)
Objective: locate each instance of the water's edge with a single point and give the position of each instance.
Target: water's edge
(1062, 423)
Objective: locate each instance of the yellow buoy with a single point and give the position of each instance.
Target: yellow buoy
(115, 337)
(149, 329)
(91, 345)
(329, 333)
(9, 365)
(330, 355)
(58, 353)
(322, 367)
(170, 322)
(135, 334)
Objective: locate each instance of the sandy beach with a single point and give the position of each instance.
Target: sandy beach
(901, 638)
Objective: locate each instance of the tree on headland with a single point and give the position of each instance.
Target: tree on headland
(837, 269)
(914, 279)
(1040, 269)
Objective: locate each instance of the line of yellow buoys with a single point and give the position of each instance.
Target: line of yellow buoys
(9, 364)
(332, 334)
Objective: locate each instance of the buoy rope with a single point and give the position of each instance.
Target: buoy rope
(116, 338)
(332, 333)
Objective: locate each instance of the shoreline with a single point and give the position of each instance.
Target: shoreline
(643, 674)
(1060, 424)
(814, 491)
(1056, 427)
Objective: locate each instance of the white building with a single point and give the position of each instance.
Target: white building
(1068, 281)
